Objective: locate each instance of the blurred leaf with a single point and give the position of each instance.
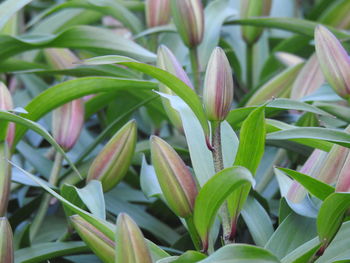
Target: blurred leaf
(46, 251)
(213, 194)
(331, 216)
(79, 37)
(258, 221)
(315, 187)
(9, 7)
(241, 253)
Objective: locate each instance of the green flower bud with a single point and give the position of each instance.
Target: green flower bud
(188, 17)
(6, 242)
(100, 244)
(308, 80)
(175, 179)
(334, 61)
(112, 163)
(7, 104)
(157, 12)
(278, 87)
(218, 86)
(131, 245)
(168, 62)
(253, 8)
(67, 122)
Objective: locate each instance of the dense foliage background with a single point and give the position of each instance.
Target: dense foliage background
(89, 88)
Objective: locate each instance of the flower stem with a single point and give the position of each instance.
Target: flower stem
(5, 178)
(250, 66)
(218, 166)
(195, 69)
(44, 205)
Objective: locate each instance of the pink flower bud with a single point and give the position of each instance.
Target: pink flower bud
(67, 122)
(334, 61)
(177, 184)
(218, 86)
(7, 104)
(157, 12)
(6, 241)
(188, 17)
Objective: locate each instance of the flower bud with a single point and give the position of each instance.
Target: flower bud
(343, 183)
(175, 179)
(7, 104)
(188, 17)
(6, 242)
(131, 245)
(277, 87)
(334, 61)
(100, 244)
(288, 59)
(5, 177)
(60, 58)
(112, 163)
(157, 12)
(253, 8)
(218, 86)
(168, 62)
(308, 80)
(67, 122)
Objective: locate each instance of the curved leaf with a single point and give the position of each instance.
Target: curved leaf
(213, 194)
(9, 8)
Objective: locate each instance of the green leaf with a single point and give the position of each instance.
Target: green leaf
(78, 37)
(27, 124)
(295, 25)
(314, 186)
(73, 89)
(252, 140)
(257, 221)
(241, 253)
(294, 231)
(9, 8)
(213, 194)
(331, 216)
(190, 257)
(172, 82)
(330, 135)
(46, 251)
(303, 253)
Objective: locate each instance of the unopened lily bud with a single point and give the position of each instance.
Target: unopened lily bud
(168, 62)
(7, 104)
(175, 179)
(67, 122)
(131, 245)
(343, 183)
(112, 163)
(278, 87)
(100, 244)
(188, 17)
(218, 86)
(157, 12)
(6, 241)
(334, 61)
(308, 80)
(253, 8)
(288, 59)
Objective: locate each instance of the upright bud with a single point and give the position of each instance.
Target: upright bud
(218, 86)
(131, 245)
(253, 8)
(168, 62)
(99, 243)
(7, 104)
(308, 80)
(112, 163)
(60, 58)
(175, 179)
(157, 12)
(334, 61)
(188, 17)
(6, 242)
(67, 122)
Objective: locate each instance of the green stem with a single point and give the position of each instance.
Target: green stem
(193, 233)
(250, 66)
(44, 205)
(195, 69)
(5, 178)
(153, 42)
(218, 166)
